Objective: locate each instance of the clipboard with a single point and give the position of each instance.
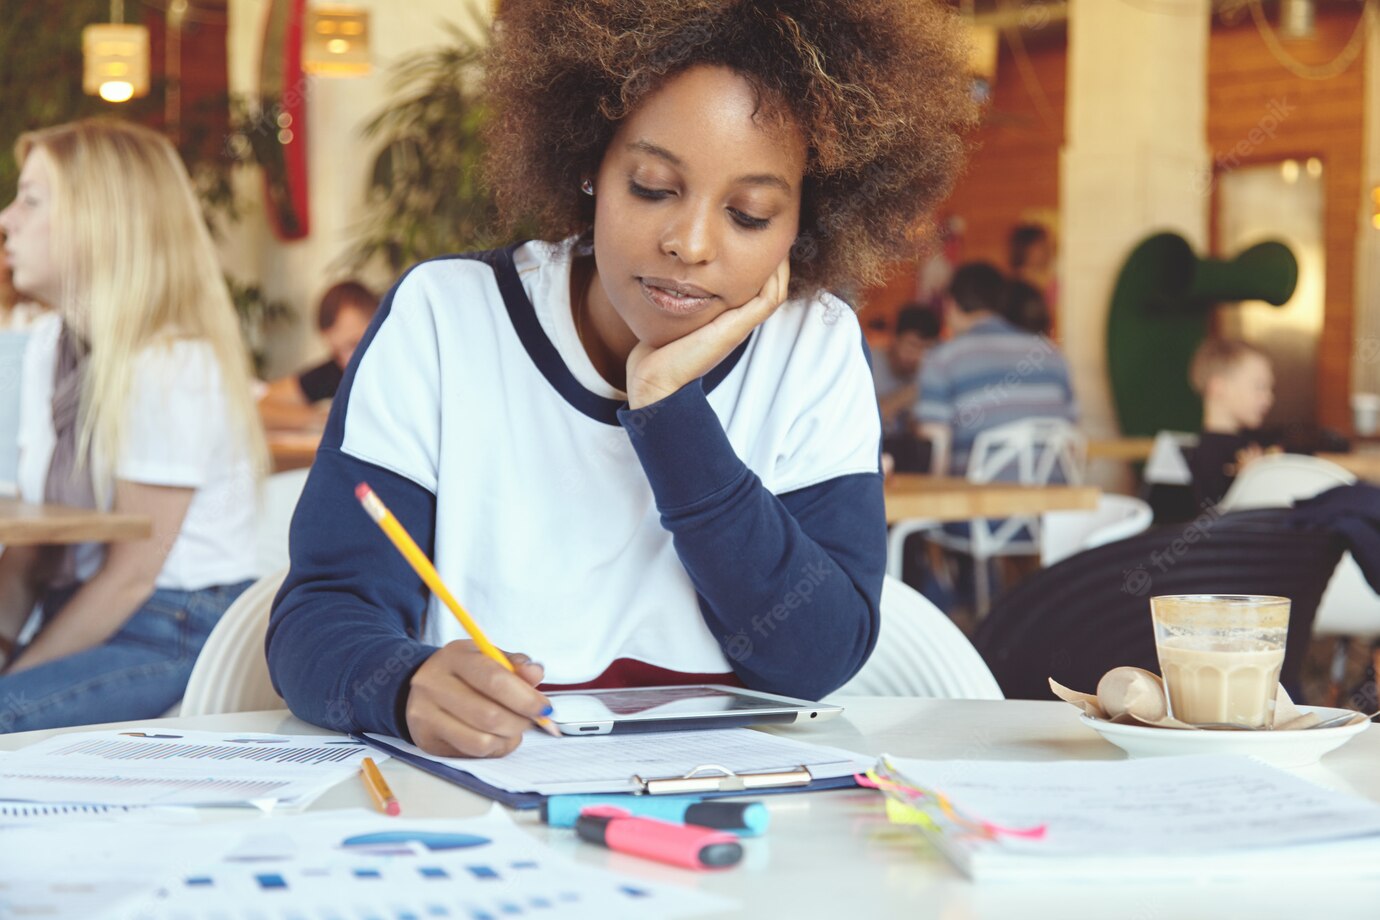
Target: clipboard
(709, 781)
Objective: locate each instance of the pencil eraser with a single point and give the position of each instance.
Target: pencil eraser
(362, 490)
(393, 808)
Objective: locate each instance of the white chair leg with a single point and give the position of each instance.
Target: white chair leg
(896, 543)
(981, 589)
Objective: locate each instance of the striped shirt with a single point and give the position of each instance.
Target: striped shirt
(988, 376)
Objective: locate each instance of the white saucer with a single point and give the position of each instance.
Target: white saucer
(1282, 749)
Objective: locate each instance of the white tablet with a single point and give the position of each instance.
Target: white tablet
(660, 709)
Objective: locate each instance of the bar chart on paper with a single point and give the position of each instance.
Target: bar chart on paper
(178, 768)
(363, 866)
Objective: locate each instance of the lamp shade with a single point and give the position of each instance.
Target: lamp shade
(336, 43)
(115, 61)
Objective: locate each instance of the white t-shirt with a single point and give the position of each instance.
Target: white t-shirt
(448, 395)
(178, 433)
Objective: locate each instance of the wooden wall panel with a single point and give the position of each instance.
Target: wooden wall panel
(1012, 171)
(205, 73)
(1322, 118)
(1014, 167)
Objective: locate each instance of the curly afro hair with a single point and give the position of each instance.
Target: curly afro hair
(879, 89)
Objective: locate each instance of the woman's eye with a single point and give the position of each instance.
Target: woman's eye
(749, 222)
(651, 194)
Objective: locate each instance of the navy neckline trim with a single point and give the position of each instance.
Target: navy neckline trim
(548, 360)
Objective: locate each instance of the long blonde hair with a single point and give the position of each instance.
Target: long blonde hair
(138, 268)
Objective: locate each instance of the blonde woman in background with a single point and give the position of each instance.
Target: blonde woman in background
(137, 398)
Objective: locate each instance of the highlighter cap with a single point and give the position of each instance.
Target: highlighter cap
(750, 817)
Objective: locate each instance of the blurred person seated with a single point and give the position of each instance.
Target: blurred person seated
(134, 397)
(989, 373)
(1030, 253)
(301, 400)
(896, 377)
(1026, 308)
(1237, 385)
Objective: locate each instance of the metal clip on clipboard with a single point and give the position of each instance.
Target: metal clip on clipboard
(721, 779)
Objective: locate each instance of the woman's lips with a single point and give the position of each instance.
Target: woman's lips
(673, 297)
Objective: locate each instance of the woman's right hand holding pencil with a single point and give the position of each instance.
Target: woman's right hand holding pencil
(462, 703)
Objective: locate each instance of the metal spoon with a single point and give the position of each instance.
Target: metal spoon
(1331, 722)
(1339, 720)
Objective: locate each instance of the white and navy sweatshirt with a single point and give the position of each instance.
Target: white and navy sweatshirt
(734, 530)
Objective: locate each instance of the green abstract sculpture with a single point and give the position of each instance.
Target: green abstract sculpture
(1161, 306)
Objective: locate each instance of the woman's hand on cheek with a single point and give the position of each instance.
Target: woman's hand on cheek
(656, 372)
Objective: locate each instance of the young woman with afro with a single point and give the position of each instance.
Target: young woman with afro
(646, 452)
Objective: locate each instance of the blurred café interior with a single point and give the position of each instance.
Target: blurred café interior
(1142, 325)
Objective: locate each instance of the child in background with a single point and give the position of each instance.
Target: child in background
(301, 399)
(1237, 385)
(136, 396)
(646, 453)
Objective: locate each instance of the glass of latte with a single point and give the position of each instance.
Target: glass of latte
(1220, 655)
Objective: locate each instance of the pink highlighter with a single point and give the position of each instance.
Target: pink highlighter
(684, 845)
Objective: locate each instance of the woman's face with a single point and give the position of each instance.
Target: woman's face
(696, 203)
(28, 230)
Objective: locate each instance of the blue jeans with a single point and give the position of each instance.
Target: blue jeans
(138, 673)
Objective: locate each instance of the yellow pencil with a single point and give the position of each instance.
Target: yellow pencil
(423, 567)
(378, 788)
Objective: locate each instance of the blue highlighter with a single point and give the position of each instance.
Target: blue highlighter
(746, 819)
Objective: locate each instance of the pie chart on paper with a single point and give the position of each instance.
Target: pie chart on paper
(399, 842)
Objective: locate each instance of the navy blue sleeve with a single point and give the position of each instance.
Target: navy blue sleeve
(342, 640)
(790, 585)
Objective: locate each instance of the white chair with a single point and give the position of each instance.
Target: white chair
(896, 542)
(1278, 480)
(921, 653)
(1167, 464)
(231, 673)
(277, 501)
(1068, 533)
(1033, 451)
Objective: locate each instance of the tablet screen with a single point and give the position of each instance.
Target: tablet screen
(653, 702)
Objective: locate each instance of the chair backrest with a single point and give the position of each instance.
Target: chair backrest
(1349, 607)
(1033, 451)
(921, 653)
(231, 673)
(277, 501)
(1167, 464)
(1277, 480)
(1066, 533)
(1091, 612)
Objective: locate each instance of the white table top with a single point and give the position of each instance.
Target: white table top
(834, 855)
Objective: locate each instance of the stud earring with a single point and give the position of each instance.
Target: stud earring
(587, 187)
